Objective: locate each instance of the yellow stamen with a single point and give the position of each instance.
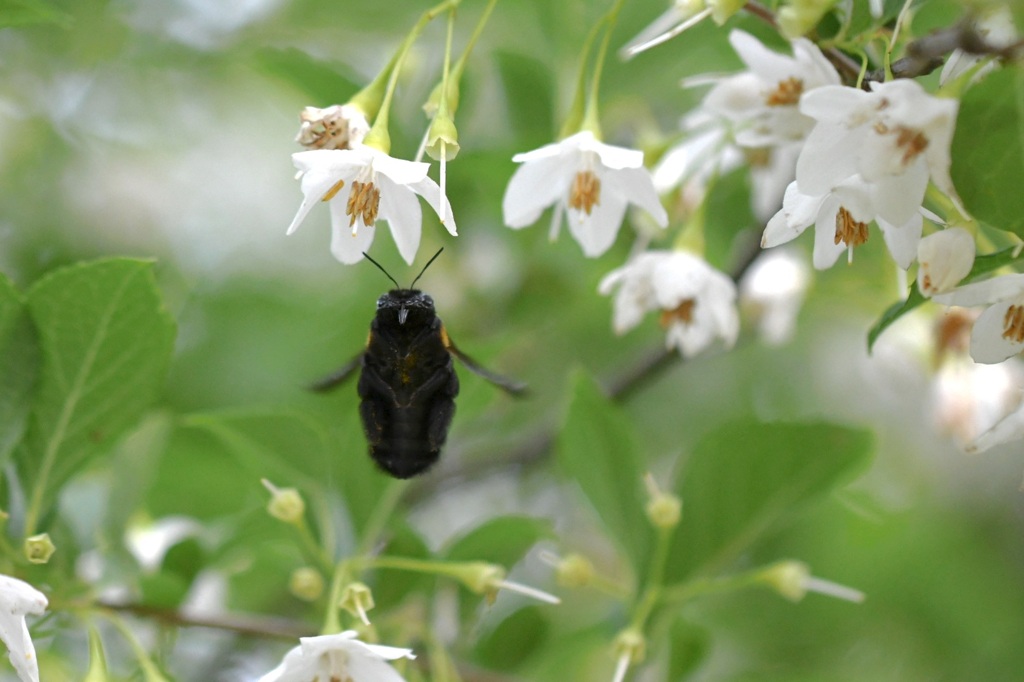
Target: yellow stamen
(364, 202)
(586, 192)
(681, 313)
(848, 230)
(786, 93)
(1013, 324)
(333, 191)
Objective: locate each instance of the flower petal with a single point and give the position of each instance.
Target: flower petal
(345, 246)
(429, 190)
(798, 212)
(401, 209)
(902, 240)
(533, 187)
(987, 343)
(983, 293)
(596, 232)
(637, 186)
(1009, 428)
(321, 170)
(399, 171)
(828, 158)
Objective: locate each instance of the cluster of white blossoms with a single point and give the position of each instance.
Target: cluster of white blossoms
(361, 184)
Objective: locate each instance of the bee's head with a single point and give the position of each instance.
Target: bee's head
(404, 304)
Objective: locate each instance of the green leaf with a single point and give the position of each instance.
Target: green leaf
(982, 266)
(22, 12)
(503, 540)
(528, 628)
(19, 363)
(598, 449)
(106, 341)
(746, 476)
(689, 646)
(322, 83)
(987, 167)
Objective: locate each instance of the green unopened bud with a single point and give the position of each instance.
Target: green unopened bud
(631, 645)
(306, 583)
(285, 504)
(483, 578)
(722, 10)
(39, 548)
(793, 580)
(798, 17)
(663, 509)
(575, 570)
(433, 103)
(442, 138)
(357, 599)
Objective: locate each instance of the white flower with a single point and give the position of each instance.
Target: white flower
(1008, 429)
(591, 181)
(364, 185)
(774, 288)
(697, 302)
(840, 217)
(995, 25)
(975, 404)
(338, 657)
(894, 138)
(18, 599)
(340, 126)
(944, 258)
(762, 102)
(999, 332)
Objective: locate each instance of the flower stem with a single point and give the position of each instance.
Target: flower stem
(460, 63)
(378, 136)
(574, 121)
(150, 672)
(332, 623)
(591, 120)
(381, 513)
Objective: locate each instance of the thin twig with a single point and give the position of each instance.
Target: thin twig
(248, 625)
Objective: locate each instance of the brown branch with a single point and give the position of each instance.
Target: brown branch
(538, 446)
(247, 625)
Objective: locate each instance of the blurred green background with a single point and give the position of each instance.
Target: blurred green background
(163, 128)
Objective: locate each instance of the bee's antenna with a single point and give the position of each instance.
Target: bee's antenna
(424, 267)
(381, 268)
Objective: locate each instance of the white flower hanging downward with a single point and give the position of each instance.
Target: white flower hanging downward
(590, 181)
(999, 332)
(338, 657)
(18, 599)
(697, 302)
(362, 186)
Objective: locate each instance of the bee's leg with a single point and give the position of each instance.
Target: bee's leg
(337, 378)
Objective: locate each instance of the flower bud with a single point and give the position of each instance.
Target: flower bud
(798, 17)
(944, 258)
(39, 548)
(306, 583)
(442, 138)
(663, 509)
(285, 504)
(630, 644)
(722, 10)
(793, 580)
(483, 578)
(97, 659)
(357, 599)
(575, 570)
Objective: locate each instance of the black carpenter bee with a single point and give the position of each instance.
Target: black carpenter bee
(407, 382)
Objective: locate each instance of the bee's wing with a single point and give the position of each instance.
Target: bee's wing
(335, 379)
(504, 383)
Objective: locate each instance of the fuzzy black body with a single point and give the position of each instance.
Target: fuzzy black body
(407, 384)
